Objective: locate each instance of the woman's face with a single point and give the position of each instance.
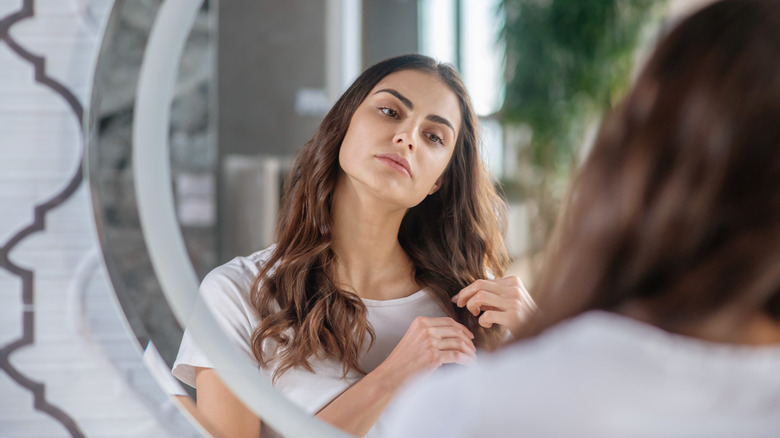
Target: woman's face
(402, 137)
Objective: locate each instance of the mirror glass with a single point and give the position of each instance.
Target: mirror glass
(227, 182)
(254, 82)
(109, 164)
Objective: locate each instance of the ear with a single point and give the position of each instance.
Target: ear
(435, 187)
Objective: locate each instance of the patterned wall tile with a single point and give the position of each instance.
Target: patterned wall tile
(68, 366)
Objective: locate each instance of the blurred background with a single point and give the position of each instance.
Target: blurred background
(254, 82)
(540, 75)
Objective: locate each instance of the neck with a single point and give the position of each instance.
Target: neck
(754, 329)
(370, 261)
(728, 327)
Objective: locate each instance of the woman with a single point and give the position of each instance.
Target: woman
(660, 304)
(388, 214)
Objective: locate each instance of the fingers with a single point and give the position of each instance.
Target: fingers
(483, 300)
(451, 338)
(456, 344)
(504, 301)
(453, 350)
(445, 339)
(441, 326)
(508, 287)
(496, 293)
(507, 319)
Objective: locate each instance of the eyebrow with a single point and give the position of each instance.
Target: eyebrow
(439, 119)
(408, 103)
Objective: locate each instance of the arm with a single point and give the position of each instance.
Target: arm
(188, 404)
(219, 411)
(504, 301)
(427, 344)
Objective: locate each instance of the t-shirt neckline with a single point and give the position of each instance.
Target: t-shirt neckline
(395, 301)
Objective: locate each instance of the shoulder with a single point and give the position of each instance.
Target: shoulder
(241, 267)
(240, 271)
(590, 367)
(533, 377)
(233, 281)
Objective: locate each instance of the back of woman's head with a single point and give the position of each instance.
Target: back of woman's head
(677, 208)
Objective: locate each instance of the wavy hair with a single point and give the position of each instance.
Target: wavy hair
(453, 237)
(677, 208)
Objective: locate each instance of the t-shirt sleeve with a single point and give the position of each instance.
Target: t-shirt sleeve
(225, 293)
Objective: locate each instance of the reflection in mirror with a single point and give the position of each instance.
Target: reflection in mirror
(271, 99)
(110, 166)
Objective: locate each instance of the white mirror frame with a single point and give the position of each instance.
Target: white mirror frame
(152, 173)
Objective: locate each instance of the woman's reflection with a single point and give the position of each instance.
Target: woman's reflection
(387, 262)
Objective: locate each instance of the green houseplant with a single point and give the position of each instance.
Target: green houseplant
(567, 61)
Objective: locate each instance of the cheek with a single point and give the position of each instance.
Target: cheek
(355, 137)
(347, 157)
(345, 151)
(437, 163)
(349, 144)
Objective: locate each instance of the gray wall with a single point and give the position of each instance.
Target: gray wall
(389, 29)
(267, 51)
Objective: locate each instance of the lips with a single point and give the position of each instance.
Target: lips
(396, 162)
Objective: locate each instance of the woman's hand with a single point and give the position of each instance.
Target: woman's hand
(503, 301)
(428, 344)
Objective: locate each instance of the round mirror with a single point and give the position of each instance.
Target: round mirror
(109, 170)
(145, 42)
(185, 170)
(195, 117)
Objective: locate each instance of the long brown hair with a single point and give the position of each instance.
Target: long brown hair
(453, 237)
(677, 208)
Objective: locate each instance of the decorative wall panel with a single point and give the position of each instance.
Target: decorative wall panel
(68, 365)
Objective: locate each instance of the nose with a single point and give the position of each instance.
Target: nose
(403, 138)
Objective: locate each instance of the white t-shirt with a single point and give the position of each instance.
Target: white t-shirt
(600, 375)
(225, 291)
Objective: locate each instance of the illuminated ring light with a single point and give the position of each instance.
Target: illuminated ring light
(151, 170)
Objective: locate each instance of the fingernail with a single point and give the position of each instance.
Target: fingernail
(455, 298)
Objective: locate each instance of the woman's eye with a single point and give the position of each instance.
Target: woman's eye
(389, 112)
(436, 139)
